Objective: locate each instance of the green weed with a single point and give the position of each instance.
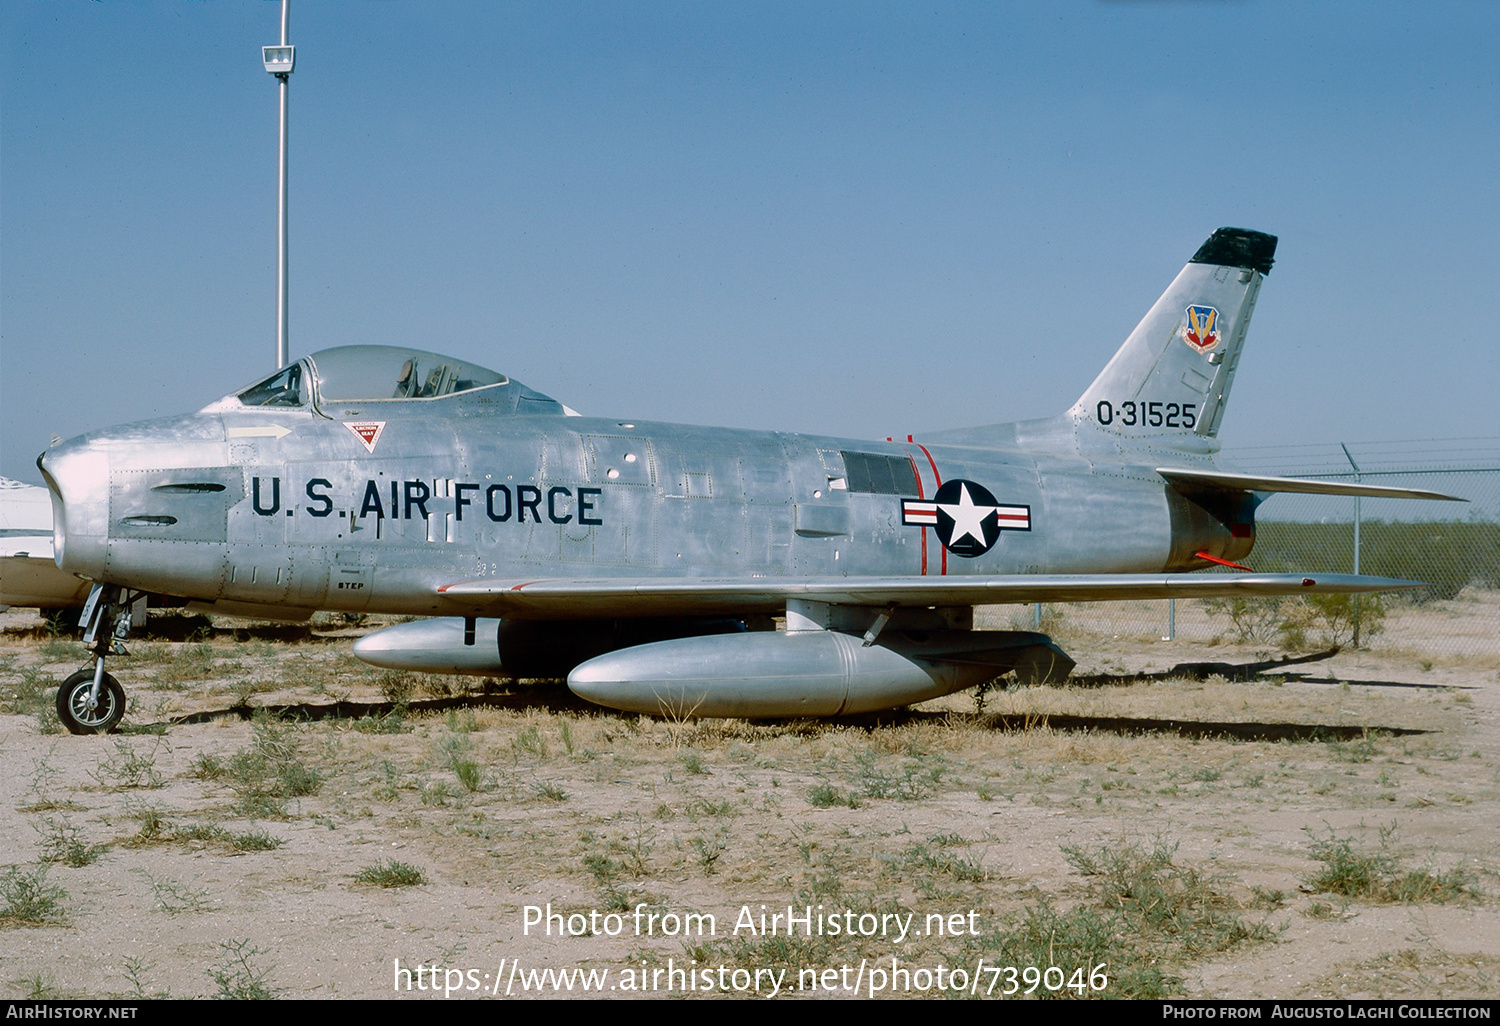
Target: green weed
(710, 849)
(61, 650)
(129, 768)
(1362, 750)
(825, 796)
(391, 874)
(530, 741)
(1379, 875)
(28, 899)
(393, 722)
(206, 766)
(464, 723)
(62, 842)
(917, 776)
(186, 663)
(456, 749)
(468, 773)
(921, 859)
(702, 808)
(27, 695)
(1143, 912)
(1159, 896)
(397, 686)
(252, 840)
(39, 789)
(270, 772)
(173, 896)
(438, 792)
(39, 986)
(237, 976)
(135, 974)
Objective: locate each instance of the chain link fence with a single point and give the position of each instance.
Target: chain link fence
(1455, 546)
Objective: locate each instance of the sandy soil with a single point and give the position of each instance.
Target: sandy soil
(522, 796)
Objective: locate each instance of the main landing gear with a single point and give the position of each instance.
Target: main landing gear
(92, 701)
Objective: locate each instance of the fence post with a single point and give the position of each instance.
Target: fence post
(1356, 539)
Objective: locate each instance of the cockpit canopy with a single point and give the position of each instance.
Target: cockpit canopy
(385, 372)
(370, 374)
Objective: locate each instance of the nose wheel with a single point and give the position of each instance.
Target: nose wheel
(91, 701)
(85, 711)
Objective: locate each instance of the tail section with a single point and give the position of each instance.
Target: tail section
(1172, 376)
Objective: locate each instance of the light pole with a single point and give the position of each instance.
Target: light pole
(279, 61)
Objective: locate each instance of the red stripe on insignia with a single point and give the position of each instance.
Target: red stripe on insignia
(920, 514)
(1017, 518)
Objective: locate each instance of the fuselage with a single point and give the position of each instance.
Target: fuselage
(373, 505)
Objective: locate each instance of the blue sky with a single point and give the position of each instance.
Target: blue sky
(856, 219)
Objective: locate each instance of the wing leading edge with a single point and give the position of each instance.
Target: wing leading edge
(582, 598)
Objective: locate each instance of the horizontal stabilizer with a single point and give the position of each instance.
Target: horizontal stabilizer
(1185, 479)
(594, 597)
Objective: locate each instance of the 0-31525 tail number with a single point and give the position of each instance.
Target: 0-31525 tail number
(1148, 414)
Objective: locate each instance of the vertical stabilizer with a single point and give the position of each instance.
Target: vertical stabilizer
(1172, 376)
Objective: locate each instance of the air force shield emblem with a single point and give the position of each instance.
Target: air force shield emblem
(1201, 329)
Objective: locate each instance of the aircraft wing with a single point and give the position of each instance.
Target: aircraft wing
(1187, 478)
(562, 598)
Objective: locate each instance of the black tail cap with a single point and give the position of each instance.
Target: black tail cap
(1238, 247)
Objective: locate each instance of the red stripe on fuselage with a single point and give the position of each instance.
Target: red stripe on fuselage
(938, 479)
(917, 473)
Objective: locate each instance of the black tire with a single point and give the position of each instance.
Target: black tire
(73, 708)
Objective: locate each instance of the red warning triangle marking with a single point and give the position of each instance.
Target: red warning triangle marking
(367, 431)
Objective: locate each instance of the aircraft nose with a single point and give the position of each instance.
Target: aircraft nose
(77, 475)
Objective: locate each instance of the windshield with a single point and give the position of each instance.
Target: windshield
(368, 373)
(284, 388)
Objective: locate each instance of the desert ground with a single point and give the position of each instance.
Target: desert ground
(276, 819)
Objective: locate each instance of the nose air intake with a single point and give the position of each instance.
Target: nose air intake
(77, 478)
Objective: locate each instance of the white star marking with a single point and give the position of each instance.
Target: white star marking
(968, 519)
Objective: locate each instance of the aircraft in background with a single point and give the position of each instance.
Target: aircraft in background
(645, 561)
(29, 576)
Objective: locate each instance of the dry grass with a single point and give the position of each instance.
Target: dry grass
(1073, 824)
(1412, 973)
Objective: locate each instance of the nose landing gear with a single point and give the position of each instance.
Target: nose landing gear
(92, 701)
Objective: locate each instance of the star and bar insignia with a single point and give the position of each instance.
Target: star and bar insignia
(966, 516)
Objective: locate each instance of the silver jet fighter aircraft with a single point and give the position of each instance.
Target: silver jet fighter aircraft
(646, 561)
